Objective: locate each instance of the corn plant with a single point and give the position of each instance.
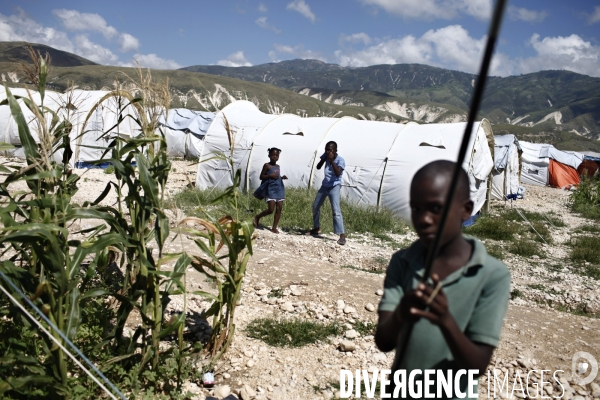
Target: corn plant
(141, 168)
(39, 254)
(225, 268)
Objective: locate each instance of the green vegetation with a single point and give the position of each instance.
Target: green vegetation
(515, 293)
(290, 332)
(496, 227)
(586, 253)
(586, 199)
(370, 270)
(297, 211)
(525, 248)
(110, 170)
(365, 328)
(590, 228)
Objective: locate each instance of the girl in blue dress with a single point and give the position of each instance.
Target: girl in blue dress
(272, 188)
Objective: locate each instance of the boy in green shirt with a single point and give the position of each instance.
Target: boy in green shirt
(458, 314)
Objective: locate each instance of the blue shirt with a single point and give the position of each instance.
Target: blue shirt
(330, 180)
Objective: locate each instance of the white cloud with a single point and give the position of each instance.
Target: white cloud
(296, 51)
(19, 27)
(526, 15)
(595, 17)
(449, 47)
(93, 51)
(262, 8)
(155, 62)
(73, 20)
(434, 9)
(303, 8)
(262, 22)
(128, 42)
(236, 59)
(570, 53)
(355, 38)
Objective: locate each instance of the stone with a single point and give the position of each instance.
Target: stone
(287, 306)
(379, 292)
(248, 353)
(347, 346)
(226, 375)
(525, 363)
(247, 393)
(222, 391)
(340, 304)
(351, 334)
(535, 257)
(349, 310)
(595, 388)
(379, 357)
(250, 363)
(370, 307)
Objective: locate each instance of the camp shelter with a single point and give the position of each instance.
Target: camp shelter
(185, 130)
(98, 118)
(9, 132)
(507, 167)
(381, 158)
(543, 164)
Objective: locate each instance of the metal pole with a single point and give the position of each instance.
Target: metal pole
(406, 329)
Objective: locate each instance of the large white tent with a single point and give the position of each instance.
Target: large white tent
(185, 130)
(381, 158)
(507, 167)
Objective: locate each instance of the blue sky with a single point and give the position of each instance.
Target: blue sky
(536, 35)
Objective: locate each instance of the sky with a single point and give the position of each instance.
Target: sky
(536, 35)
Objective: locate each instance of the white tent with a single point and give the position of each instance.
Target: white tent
(381, 158)
(536, 160)
(507, 166)
(185, 130)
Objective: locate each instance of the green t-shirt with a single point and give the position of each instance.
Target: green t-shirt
(477, 296)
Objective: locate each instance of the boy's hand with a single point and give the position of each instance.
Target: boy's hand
(437, 313)
(284, 177)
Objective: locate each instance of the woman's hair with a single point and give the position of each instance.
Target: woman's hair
(272, 149)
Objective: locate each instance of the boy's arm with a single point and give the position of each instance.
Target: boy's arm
(320, 164)
(337, 168)
(468, 354)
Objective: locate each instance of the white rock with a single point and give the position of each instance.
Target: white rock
(340, 304)
(379, 357)
(351, 334)
(250, 363)
(247, 393)
(222, 391)
(347, 346)
(226, 375)
(370, 307)
(379, 292)
(248, 353)
(287, 306)
(349, 310)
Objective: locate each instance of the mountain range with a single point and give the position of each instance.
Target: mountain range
(558, 107)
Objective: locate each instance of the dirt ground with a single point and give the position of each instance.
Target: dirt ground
(314, 280)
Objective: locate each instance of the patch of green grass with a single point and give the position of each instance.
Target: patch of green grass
(537, 286)
(278, 293)
(365, 328)
(586, 248)
(370, 270)
(580, 309)
(495, 227)
(590, 228)
(297, 212)
(495, 251)
(110, 170)
(525, 248)
(290, 332)
(515, 293)
(543, 234)
(586, 199)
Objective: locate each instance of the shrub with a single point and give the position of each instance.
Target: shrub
(525, 248)
(496, 227)
(586, 199)
(290, 332)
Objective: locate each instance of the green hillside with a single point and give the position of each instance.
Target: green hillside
(14, 51)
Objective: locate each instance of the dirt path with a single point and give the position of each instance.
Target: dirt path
(312, 277)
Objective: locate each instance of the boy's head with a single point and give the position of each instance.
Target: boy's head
(274, 154)
(428, 192)
(331, 146)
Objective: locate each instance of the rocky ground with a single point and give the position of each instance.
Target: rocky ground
(296, 276)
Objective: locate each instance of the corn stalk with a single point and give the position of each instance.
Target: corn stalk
(39, 253)
(226, 244)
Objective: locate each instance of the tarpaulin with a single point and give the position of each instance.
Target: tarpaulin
(588, 168)
(561, 175)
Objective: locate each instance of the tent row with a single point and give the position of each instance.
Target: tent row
(517, 162)
(381, 157)
(95, 119)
